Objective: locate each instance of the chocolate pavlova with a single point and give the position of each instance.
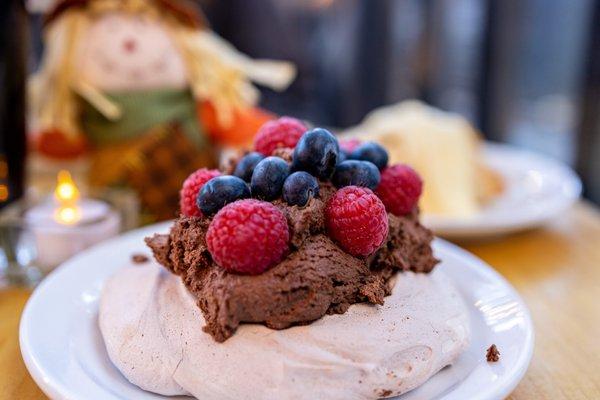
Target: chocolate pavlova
(303, 226)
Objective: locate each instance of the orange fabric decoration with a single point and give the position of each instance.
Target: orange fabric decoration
(55, 144)
(241, 132)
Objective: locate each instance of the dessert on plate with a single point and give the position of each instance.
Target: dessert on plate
(444, 148)
(300, 272)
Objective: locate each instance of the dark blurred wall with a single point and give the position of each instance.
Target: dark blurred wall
(588, 160)
(13, 73)
(515, 68)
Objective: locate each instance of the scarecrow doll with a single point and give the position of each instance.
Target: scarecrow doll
(147, 91)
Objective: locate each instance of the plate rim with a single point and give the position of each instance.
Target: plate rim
(57, 390)
(524, 360)
(465, 228)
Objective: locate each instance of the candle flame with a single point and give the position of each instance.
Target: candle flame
(67, 194)
(67, 215)
(66, 191)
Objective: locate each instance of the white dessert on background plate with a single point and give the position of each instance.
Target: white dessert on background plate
(443, 147)
(153, 334)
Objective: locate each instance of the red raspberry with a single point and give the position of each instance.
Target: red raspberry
(248, 236)
(356, 220)
(282, 132)
(348, 145)
(190, 189)
(399, 189)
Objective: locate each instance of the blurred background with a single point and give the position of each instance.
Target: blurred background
(524, 72)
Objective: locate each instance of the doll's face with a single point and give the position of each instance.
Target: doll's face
(122, 52)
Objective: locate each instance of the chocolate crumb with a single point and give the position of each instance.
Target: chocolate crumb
(492, 355)
(139, 258)
(230, 161)
(284, 152)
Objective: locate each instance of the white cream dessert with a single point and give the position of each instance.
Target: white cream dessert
(444, 148)
(153, 333)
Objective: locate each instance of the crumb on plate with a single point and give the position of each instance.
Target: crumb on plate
(139, 258)
(492, 354)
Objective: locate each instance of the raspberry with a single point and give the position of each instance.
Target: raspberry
(399, 189)
(248, 236)
(349, 145)
(356, 220)
(190, 189)
(282, 132)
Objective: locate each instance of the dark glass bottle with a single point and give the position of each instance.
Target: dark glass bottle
(13, 66)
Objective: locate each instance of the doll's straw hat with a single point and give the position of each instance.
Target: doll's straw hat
(185, 11)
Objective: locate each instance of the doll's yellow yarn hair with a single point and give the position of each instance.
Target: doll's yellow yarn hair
(217, 72)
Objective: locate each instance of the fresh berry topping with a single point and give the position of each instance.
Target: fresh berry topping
(268, 177)
(282, 132)
(349, 145)
(356, 173)
(356, 219)
(191, 187)
(317, 153)
(370, 151)
(248, 237)
(400, 189)
(220, 191)
(246, 165)
(299, 188)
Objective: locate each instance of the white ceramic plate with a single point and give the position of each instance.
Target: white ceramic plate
(537, 188)
(64, 352)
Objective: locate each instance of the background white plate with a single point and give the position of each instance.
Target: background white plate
(537, 188)
(64, 352)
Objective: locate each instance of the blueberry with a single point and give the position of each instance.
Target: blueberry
(356, 173)
(317, 152)
(246, 165)
(219, 191)
(268, 177)
(299, 187)
(370, 151)
(342, 156)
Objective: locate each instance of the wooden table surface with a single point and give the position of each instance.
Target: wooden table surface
(556, 269)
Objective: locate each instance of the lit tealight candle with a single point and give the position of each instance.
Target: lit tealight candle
(66, 194)
(65, 224)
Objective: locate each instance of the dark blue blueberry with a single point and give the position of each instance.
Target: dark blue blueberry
(342, 156)
(299, 188)
(246, 165)
(268, 177)
(356, 173)
(372, 152)
(317, 152)
(219, 191)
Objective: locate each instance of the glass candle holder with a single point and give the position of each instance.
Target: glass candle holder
(37, 235)
(18, 250)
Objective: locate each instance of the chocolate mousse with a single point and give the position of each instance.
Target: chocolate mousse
(317, 277)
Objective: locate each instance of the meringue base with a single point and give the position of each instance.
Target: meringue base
(153, 334)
